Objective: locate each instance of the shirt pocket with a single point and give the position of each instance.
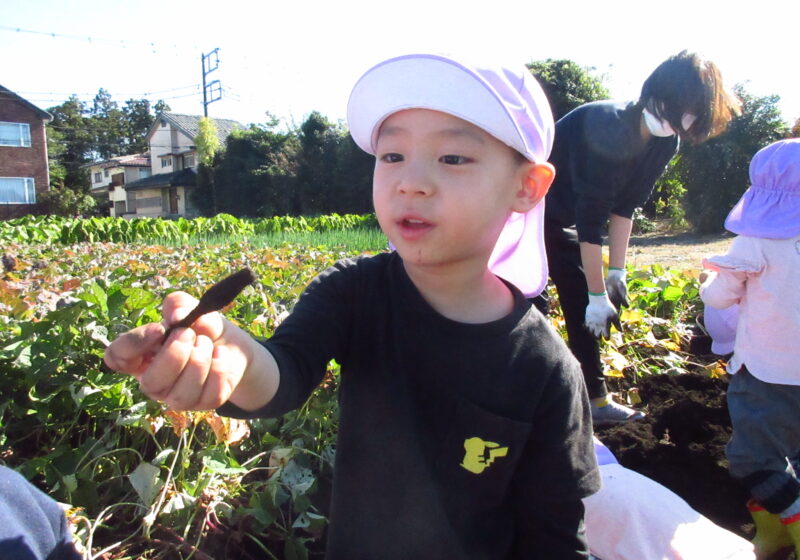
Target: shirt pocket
(478, 457)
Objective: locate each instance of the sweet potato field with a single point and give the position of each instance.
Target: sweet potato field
(141, 481)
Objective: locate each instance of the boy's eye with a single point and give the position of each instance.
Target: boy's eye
(454, 160)
(392, 157)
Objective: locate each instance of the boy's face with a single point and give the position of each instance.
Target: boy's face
(443, 188)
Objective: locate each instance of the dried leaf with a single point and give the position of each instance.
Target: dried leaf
(229, 431)
(631, 315)
(279, 457)
(179, 420)
(615, 361)
(70, 285)
(716, 370)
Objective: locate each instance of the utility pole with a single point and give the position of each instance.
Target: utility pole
(212, 91)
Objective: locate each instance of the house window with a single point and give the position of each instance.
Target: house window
(188, 160)
(144, 172)
(97, 177)
(15, 134)
(149, 202)
(105, 172)
(17, 190)
(166, 162)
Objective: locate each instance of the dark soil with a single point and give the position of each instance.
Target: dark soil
(681, 444)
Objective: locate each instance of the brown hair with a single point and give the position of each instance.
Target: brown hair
(685, 83)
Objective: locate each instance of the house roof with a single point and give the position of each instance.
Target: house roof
(131, 160)
(6, 93)
(186, 177)
(190, 125)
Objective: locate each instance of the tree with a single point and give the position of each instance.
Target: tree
(716, 172)
(56, 147)
(207, 144)
(255, 177)
(352, 178)
(66, 202)
(207, 141)
(567, 85)
(71, 127)
(316, 165)
(108, 126)
(137, 119)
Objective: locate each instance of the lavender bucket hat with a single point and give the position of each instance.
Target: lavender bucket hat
(770, 208)
(507, 103)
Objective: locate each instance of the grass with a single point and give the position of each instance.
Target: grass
(353, 240)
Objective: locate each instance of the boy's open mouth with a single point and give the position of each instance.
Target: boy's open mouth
(414, 223)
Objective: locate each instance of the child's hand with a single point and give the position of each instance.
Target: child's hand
(197, 368)
(706, 275)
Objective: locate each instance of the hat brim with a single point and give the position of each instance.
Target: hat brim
(764, 213)
(426, 82)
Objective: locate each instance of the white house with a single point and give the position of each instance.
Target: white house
(108, 179)
(173, 160)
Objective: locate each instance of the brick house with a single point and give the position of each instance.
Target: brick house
(24, 171)
(173, 160)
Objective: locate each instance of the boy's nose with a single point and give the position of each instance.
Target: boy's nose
(416, 181)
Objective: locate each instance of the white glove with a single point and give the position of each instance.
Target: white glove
(600, 314)
(617, 287)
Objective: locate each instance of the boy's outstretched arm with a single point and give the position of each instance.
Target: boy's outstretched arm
(197, 368)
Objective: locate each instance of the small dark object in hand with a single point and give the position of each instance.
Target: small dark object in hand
(218, 296)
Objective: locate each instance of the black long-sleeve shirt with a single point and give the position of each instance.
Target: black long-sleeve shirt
(603, 167)
(455, 440)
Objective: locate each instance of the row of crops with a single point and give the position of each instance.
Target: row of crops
(54, 229)
(146, 482)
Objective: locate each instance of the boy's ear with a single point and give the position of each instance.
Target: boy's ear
(536, 181)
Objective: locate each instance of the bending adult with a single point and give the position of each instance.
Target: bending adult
(608, 155)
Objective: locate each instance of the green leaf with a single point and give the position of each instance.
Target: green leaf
(219, 467)
(162, 457)
(671, 293)
(146, 482)
(295, 549)
(298, 479)
(70, 482)
(138, 298)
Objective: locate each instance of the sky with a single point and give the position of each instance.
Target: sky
(292, 57)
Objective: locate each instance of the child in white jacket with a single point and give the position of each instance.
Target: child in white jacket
(761, 273)
(633, 517)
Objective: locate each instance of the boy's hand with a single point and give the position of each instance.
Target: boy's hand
(193, 369)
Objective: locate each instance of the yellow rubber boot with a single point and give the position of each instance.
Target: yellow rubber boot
(772, 534)
(792, 526)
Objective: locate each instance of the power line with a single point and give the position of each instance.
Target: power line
(117, 94)
(122, 43)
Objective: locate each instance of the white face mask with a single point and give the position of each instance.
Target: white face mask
(661, 128)
(656, 126)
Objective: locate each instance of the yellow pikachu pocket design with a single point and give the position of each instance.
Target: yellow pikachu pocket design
(481, 454)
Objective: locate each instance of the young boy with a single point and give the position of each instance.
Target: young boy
(465, 429)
